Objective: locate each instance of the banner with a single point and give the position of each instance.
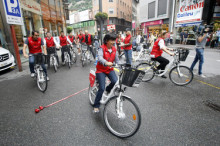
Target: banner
(190, 11)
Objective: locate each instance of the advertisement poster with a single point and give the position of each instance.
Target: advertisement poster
(189, 11)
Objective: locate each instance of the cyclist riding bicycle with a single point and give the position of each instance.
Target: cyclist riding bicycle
(89, 42)
(71, 37)
(49, 41)
(63, 42)
(157, 51)
(107, 54)
(34, 44)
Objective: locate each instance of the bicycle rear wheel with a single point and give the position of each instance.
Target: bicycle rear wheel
(124, 121)
(147, 68)
(73, 56)
(181, 75)
(68, 61)
(42, 81)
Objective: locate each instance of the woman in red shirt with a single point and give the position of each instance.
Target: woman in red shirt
(157, 51)
(119, 39)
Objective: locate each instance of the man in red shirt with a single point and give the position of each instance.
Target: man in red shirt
(71, 37)
(34, 43)
(81, 37)
(89, 41)
(49, 42)
(63, 42)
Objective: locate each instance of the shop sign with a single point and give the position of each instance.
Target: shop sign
(157, 22)
(13, 12)
(187, 24)
(190, 11)
(85, 15)
(109, 27)
(31, 6)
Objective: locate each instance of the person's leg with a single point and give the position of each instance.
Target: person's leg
(163, 62)
(48, 60)
(44, 68)
(113, 78)
(126, 55)
(62, 54)
(101, 80)
(201, 59)
(91, 50)
(129, 56)
(195, 61)
(69, 54)
(57, 58)
(31, 63)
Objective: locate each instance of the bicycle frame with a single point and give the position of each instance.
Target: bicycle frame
(142, 52)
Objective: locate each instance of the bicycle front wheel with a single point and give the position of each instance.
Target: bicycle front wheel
(92, 93)
(83, 59)
(42, 81)
(181, 75)
(147, 68)
(68, 61)
(122, 116)
(74, 57)
(55, 64)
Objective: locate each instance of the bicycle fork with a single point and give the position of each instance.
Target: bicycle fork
(119, 107)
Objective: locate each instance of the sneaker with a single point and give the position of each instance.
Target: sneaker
(48, 79)
(95, 110)
(163, 76)
(195, 73)
(203, 76)
(32, 75)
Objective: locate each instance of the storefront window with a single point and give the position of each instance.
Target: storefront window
(2, 34)
(37, 21)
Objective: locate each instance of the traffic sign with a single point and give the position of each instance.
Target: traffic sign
(13, 12)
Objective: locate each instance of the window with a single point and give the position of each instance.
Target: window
(151, 10)
(162, 7)
(52, 2)
(110, 0)
(111, 10)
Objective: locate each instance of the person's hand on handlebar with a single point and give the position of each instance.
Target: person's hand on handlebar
(25, 55)
(171, 54)
(109, 64)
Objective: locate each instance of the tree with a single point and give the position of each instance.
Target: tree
(101, 16)
(69, 29)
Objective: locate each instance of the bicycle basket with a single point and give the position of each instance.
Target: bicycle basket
(132, 77)
(65, 48)
(183, 53)
(84, 47)
(51, 50)
(40, 59)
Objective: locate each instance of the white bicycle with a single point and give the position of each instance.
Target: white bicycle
(143, 54)
(121, 114)
(178, 74)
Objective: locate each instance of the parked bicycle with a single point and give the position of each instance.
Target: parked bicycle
(53, 57)
(121, 114)
(86, 54)
(67, 57)
(40, 75)
(178, 74)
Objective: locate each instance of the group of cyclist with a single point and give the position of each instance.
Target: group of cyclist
(107, 54)
(36, 43)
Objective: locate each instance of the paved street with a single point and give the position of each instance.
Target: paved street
(171, 115)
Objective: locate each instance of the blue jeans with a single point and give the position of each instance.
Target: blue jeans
(199, 57)
(128, 56)
(101, 80)
(31, 64)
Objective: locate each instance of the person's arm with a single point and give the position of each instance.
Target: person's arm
(44, 47)
(200, 38)
(164, 48)
(24, 48)
(68, 40)
(92, 40)
(45, 42)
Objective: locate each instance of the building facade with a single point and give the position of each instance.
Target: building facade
(119, 14)
(156, 16)
(135, 23)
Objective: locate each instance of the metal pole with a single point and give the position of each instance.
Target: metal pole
(101, 21)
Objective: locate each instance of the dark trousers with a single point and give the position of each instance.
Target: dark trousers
(62, 55)
(48, 59)
(101, 80)
(91, 50)
(163, 62)
(31, 64)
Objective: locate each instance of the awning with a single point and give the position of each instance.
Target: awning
(188, 24)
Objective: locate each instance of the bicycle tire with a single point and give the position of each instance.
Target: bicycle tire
(92, 93)
(120, 56)
(68, 61)
(40, 87)
(55, 63)
(83, 59)
(134, 116)
(149, 73)
(74, 57)
(187, 75)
